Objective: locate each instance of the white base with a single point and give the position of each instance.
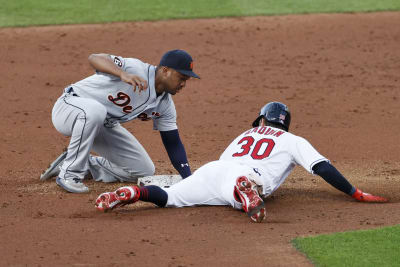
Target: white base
(159, 180)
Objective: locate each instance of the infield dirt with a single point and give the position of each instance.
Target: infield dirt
(339, 74)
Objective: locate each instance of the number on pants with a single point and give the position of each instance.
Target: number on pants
(255, 153)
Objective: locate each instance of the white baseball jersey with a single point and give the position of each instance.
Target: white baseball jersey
(122, 103)
(266, 155)
(273, 153)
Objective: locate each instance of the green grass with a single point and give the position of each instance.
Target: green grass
(379, 247)
(45, 12)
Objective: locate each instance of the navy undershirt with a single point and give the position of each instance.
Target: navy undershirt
(176, 152)
(332, 176)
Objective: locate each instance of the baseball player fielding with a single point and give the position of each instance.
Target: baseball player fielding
(92, 110)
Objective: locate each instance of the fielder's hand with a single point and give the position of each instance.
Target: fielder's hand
(365, 197)
(134, 80)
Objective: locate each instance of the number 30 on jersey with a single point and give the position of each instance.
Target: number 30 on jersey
(260, 150)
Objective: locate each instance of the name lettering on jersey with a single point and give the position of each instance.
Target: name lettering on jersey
(145, 117)
(122, 100)
(127, 109)
(265, 131)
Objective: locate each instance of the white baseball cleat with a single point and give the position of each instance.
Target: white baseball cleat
(120, 197)
(72, 185)
(54, 168)
(252, 203)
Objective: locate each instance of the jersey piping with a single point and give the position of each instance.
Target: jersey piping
(83, 129)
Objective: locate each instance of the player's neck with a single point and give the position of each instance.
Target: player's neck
(159, 87)
(158, 84)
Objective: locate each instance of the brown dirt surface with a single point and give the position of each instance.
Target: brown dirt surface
(339, 74)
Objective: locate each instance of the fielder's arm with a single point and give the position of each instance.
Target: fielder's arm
(104, 63)
(176, 152)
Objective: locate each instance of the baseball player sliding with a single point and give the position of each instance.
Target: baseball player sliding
(90, 112)
(253, 166)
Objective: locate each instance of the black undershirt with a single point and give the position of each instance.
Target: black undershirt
(332, 176)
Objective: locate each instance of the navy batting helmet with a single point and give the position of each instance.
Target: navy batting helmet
(274, 112)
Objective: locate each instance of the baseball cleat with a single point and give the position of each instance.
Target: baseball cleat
(365, 197)
(252, 203)
(54, 167)
(72, 185)
(120, 197)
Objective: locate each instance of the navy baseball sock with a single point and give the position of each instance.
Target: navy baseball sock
(153, 194)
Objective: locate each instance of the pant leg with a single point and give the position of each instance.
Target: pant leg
(211, 184)
(81, 119)
(121, 157)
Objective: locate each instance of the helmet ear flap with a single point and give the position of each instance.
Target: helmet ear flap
(256, 123)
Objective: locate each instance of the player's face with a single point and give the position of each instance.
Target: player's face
(174, 81)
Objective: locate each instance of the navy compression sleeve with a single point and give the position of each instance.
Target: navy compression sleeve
(332, 176)
(176, 152)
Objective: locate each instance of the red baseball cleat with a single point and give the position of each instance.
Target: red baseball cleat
(252, 203)
(365, 197)
(121, 197)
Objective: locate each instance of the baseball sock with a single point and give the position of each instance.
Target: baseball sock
(153, 194)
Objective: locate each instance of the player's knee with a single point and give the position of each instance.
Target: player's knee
(149, 169)
(145, 169)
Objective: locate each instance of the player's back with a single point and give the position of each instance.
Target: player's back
(274, 151)
(262, 147)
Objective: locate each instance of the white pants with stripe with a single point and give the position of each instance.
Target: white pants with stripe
(121, 156)
(212, 184)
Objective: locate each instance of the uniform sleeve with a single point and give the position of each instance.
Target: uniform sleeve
(167, 119)
(306, 155)
(119, 61)
(130, 65)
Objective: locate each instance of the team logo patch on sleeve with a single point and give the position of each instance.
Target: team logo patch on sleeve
(118, 62)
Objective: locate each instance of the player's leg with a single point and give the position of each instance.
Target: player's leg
(204, 187)
(216, 183)
(220, 183)
(121, 157)
(80, 118)
(240, 186)
(131, 194)
(201, 188)
(246, 193)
